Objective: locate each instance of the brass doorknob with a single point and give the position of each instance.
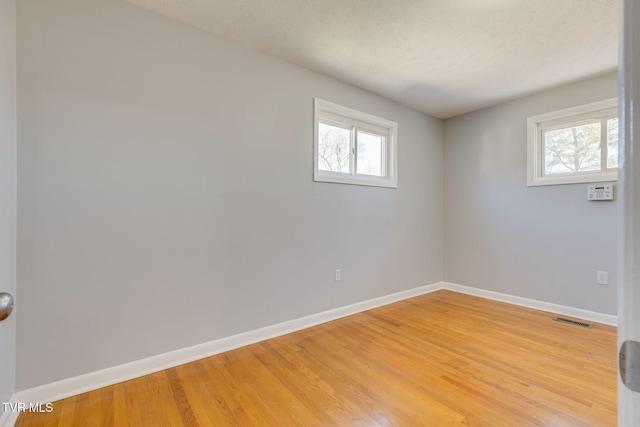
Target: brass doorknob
(6, 305)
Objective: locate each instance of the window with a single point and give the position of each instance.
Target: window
(575, 145)
(351, 147)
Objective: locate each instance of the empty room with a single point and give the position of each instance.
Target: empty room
(357, 212)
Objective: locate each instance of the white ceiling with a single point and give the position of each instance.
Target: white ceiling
(442, 57)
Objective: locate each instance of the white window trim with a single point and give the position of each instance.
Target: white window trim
(535, 158)
(328, 111)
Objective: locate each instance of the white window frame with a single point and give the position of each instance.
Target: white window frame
(536, 125)
(334, 114)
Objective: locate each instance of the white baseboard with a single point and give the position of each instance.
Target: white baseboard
(94, 380)
(9, 418)
(592, 316)
(91, 381)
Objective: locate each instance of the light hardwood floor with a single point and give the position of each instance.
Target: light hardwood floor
(441, 359)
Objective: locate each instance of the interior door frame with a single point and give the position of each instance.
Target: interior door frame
(629, 192)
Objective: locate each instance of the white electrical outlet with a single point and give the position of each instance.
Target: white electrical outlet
(602, 277)
(338, 275)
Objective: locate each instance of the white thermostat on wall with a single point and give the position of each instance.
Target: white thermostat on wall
(600, 192)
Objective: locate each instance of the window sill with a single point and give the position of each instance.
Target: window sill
(574, 179)
(355, 180)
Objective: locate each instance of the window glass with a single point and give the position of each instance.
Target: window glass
(334, 148)
(572, 149)
(369, 154)
(575, 145)
(612, 143)
(353, 147)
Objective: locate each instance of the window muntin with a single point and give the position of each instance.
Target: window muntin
(352, 147)
(573, 146)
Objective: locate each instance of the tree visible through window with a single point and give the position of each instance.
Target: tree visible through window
(574, 149)
(334, 148)
(574, 145)
(612, 143)
(352, 147)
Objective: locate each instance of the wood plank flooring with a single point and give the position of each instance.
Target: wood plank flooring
(441, 359)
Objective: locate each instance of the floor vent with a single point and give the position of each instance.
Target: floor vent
(573, 322)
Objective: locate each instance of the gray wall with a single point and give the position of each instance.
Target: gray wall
(7, 193)
(166, 194)
(544, 243)
(166, 197)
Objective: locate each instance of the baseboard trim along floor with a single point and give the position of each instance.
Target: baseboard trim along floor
(91, 381)
(607, 319)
